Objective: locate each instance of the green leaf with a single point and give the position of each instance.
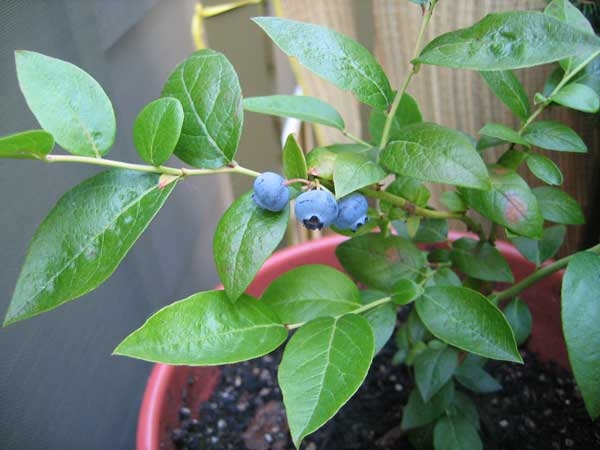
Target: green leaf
(32, 144)
(502, 132)
(486, 142)
(510, 202)
(380, 261)
(509, 40)
(407, 113)
(333, 56)
(157, 129)
(509, 90)
(472, 376)
(381, 318)
(406, 291)
(245, 237)
(323, 365)
(431, 152)
(353, 171)
(551, 135)
(321, 162)
(206, 329)
(462, 405)
(480, 260)
(590, 75)
(544, 169)
(519, 317)
(580, 318)
(433, 368)
(538, 251)
(418, 412)
(466, 319)
(311, 291)
(579, 97)
(294, 162)
(444, 277)
(68, 103)
(411, 189)
(212, 122)
(428, 230)
(84, 238)
(308, 109)
(455, 432)
(453, 201)
(558, 206)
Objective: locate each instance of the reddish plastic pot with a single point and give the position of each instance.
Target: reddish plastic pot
(168, 384)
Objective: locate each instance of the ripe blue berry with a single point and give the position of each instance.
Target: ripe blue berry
(352, 212)
(270, 193)
(316, 209)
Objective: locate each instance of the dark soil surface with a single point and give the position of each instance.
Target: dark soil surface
(539, 408)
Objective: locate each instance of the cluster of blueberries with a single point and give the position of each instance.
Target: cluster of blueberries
(316, 208)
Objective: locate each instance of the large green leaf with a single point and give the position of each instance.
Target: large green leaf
(323, 365)
(558, 206)
(417, 412)
(509, 40)
(407, 113)
(510, 202)
(468, 320)
(206, 329)
(551, 135)
(308, 109)
(353, 171)
(333, 56)
(509, 89)
(539, 250)
(311, 291)
(157, 129)
(68, 103)
(84, 238)
(579, 97)
(455, 432)
(32, 144)
(380, 261)
(245, 237)
(431, 152)
(580, 318)
(480, 260)
(434, 367)
(293, 159)
(208, 88)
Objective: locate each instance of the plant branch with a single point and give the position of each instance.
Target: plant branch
(181, 172)
(355, 138)
(362, 309)
(536, 276)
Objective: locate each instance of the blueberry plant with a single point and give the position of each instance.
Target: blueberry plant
(372, 190)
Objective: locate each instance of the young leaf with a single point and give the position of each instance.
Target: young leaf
(430, 152)
(333, 56)
(212, 123)
(294, 162)
(381, 318)
(406, 291)
(466, 319)
(418, 412)
(68, 103)
(204, 330)
(480, 260)
(579, 97)
(538, 251)
(433, 368)
(580, 318)
(32, 144)
(323, 365)
(558, 206)
(311, 291)
(551, 135)
(509, 40)
(509, 90)
(519, 317)
(84, 238)
(502, 132)
(308, 109)
(245, 237)
(510, 202)
(544, 169)
(453, 201)
(353, 171)
(473, 376)
(380, 261)
(157, 129)
(407, 113)
(455, 432)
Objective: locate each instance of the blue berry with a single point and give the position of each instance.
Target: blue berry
(316, 209)
(352, 212)
(270, 193)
